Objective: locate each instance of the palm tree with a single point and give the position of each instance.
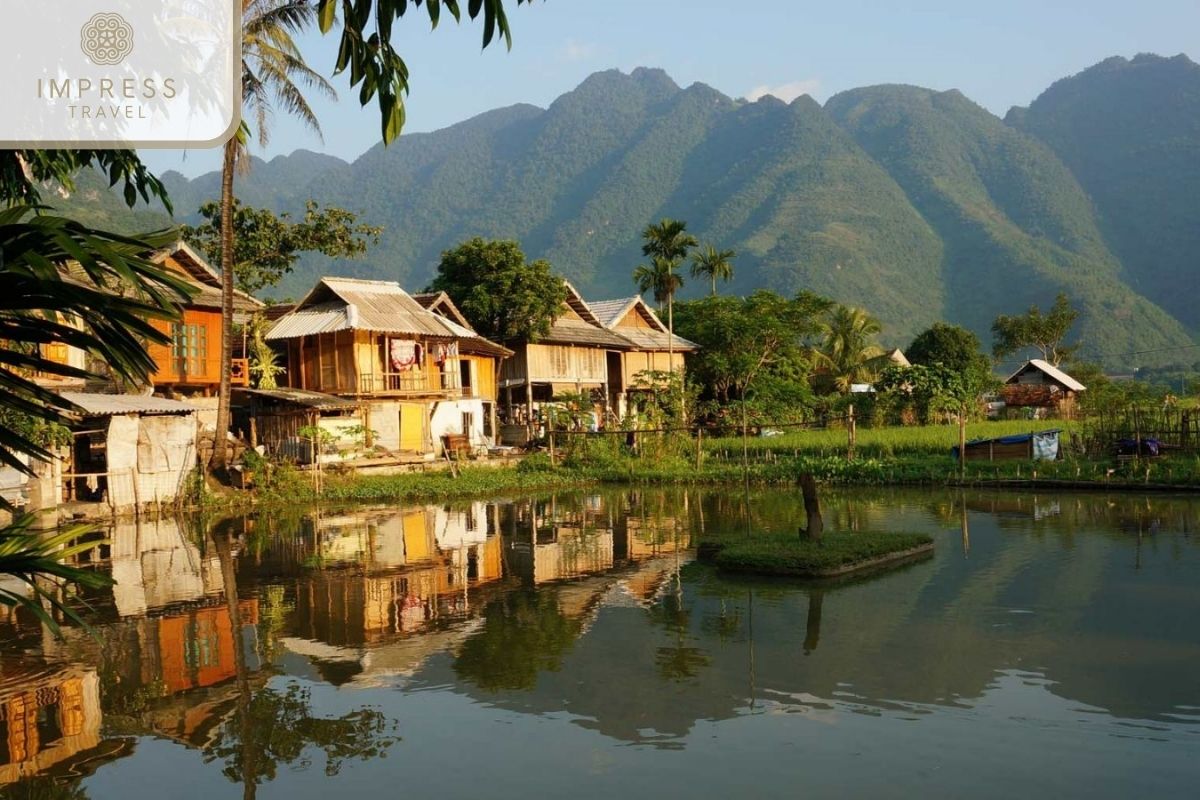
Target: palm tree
(659, 277)
(713, 264)
(848, 349)
(273, 72)
(666, 243)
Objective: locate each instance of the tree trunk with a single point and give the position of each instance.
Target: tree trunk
(812, 507)
(219, 462)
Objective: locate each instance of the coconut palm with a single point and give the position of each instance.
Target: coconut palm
(274, 75)
(712, 263)
(666, 243)
(848, 350)
(658, 277)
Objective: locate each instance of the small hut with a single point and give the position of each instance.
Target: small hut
(1041, 386)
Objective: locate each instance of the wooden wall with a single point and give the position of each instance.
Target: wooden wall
(208, 368)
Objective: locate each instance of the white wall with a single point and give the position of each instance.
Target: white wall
(447, 418)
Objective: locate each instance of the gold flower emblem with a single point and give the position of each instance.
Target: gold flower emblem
(106, 38)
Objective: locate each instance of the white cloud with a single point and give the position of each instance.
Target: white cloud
(575, 50)
(787, 92)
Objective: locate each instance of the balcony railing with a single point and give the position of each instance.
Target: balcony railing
(413, 382)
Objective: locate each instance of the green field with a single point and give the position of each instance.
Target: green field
(876, 442)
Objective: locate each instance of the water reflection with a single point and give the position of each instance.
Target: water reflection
(586, 609)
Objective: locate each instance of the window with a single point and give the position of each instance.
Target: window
(468, 423)
(189, 349)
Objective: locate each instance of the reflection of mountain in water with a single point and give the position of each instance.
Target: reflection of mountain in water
(585, 604)
(1072, 607)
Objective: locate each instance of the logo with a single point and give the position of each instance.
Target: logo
(106, 38)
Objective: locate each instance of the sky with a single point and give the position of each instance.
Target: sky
(998, 54)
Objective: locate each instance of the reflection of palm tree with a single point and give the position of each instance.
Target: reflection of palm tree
(269, 727)
(677, 662)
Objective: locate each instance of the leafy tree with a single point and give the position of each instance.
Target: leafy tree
(1044, 332)
(712, 263)
(848, 351)
(932, 389)
(754, 342)
(952, 346)
(267, 245)
(503, 296)
(273, 71)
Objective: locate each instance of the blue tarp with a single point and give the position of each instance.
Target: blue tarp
(1045, 443)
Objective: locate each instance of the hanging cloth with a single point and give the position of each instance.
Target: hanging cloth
(404, 355)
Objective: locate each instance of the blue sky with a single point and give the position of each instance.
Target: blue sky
(998, 54)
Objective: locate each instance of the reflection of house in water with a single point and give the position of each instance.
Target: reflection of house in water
(155, 564)
(50, 722)
(391, 572)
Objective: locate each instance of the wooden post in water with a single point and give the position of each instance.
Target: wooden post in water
(812, 507)
(699, 442)
(851, 433)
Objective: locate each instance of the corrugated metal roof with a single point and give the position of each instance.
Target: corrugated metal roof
(1055, 374)
(110, 405)
(339, 304)
(645, 339)
(572, 331)
(611, 312)
(303, 397)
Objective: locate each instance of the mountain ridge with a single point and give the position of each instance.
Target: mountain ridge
(917, 204)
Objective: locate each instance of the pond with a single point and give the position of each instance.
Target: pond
(570, 645)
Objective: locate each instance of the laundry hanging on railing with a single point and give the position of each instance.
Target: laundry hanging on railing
(444, 352)
(404, 355)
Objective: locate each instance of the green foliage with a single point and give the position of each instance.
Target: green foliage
(504, 297)
(742, 340)
(264, 361)
(709, 262)
(952, 346)
(666, 243)
(37, 559)
(112, 302)
(1045, 332)
(267, 245)
(25, 173)
(848, 352)
(367, 49)
(933, 389)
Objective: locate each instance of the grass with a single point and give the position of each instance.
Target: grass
(419, 487)
(788, 554)
(885, 442)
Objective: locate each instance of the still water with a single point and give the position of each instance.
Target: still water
(570, 646)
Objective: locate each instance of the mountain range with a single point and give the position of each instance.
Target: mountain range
(915, 204)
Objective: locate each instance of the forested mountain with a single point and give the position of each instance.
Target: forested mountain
(915, 204)
(1129, 130)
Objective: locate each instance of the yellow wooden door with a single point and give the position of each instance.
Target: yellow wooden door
(412, 427)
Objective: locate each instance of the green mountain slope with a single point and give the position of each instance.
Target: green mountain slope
(1016, 226)
(1130, 133)
(914, 204)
